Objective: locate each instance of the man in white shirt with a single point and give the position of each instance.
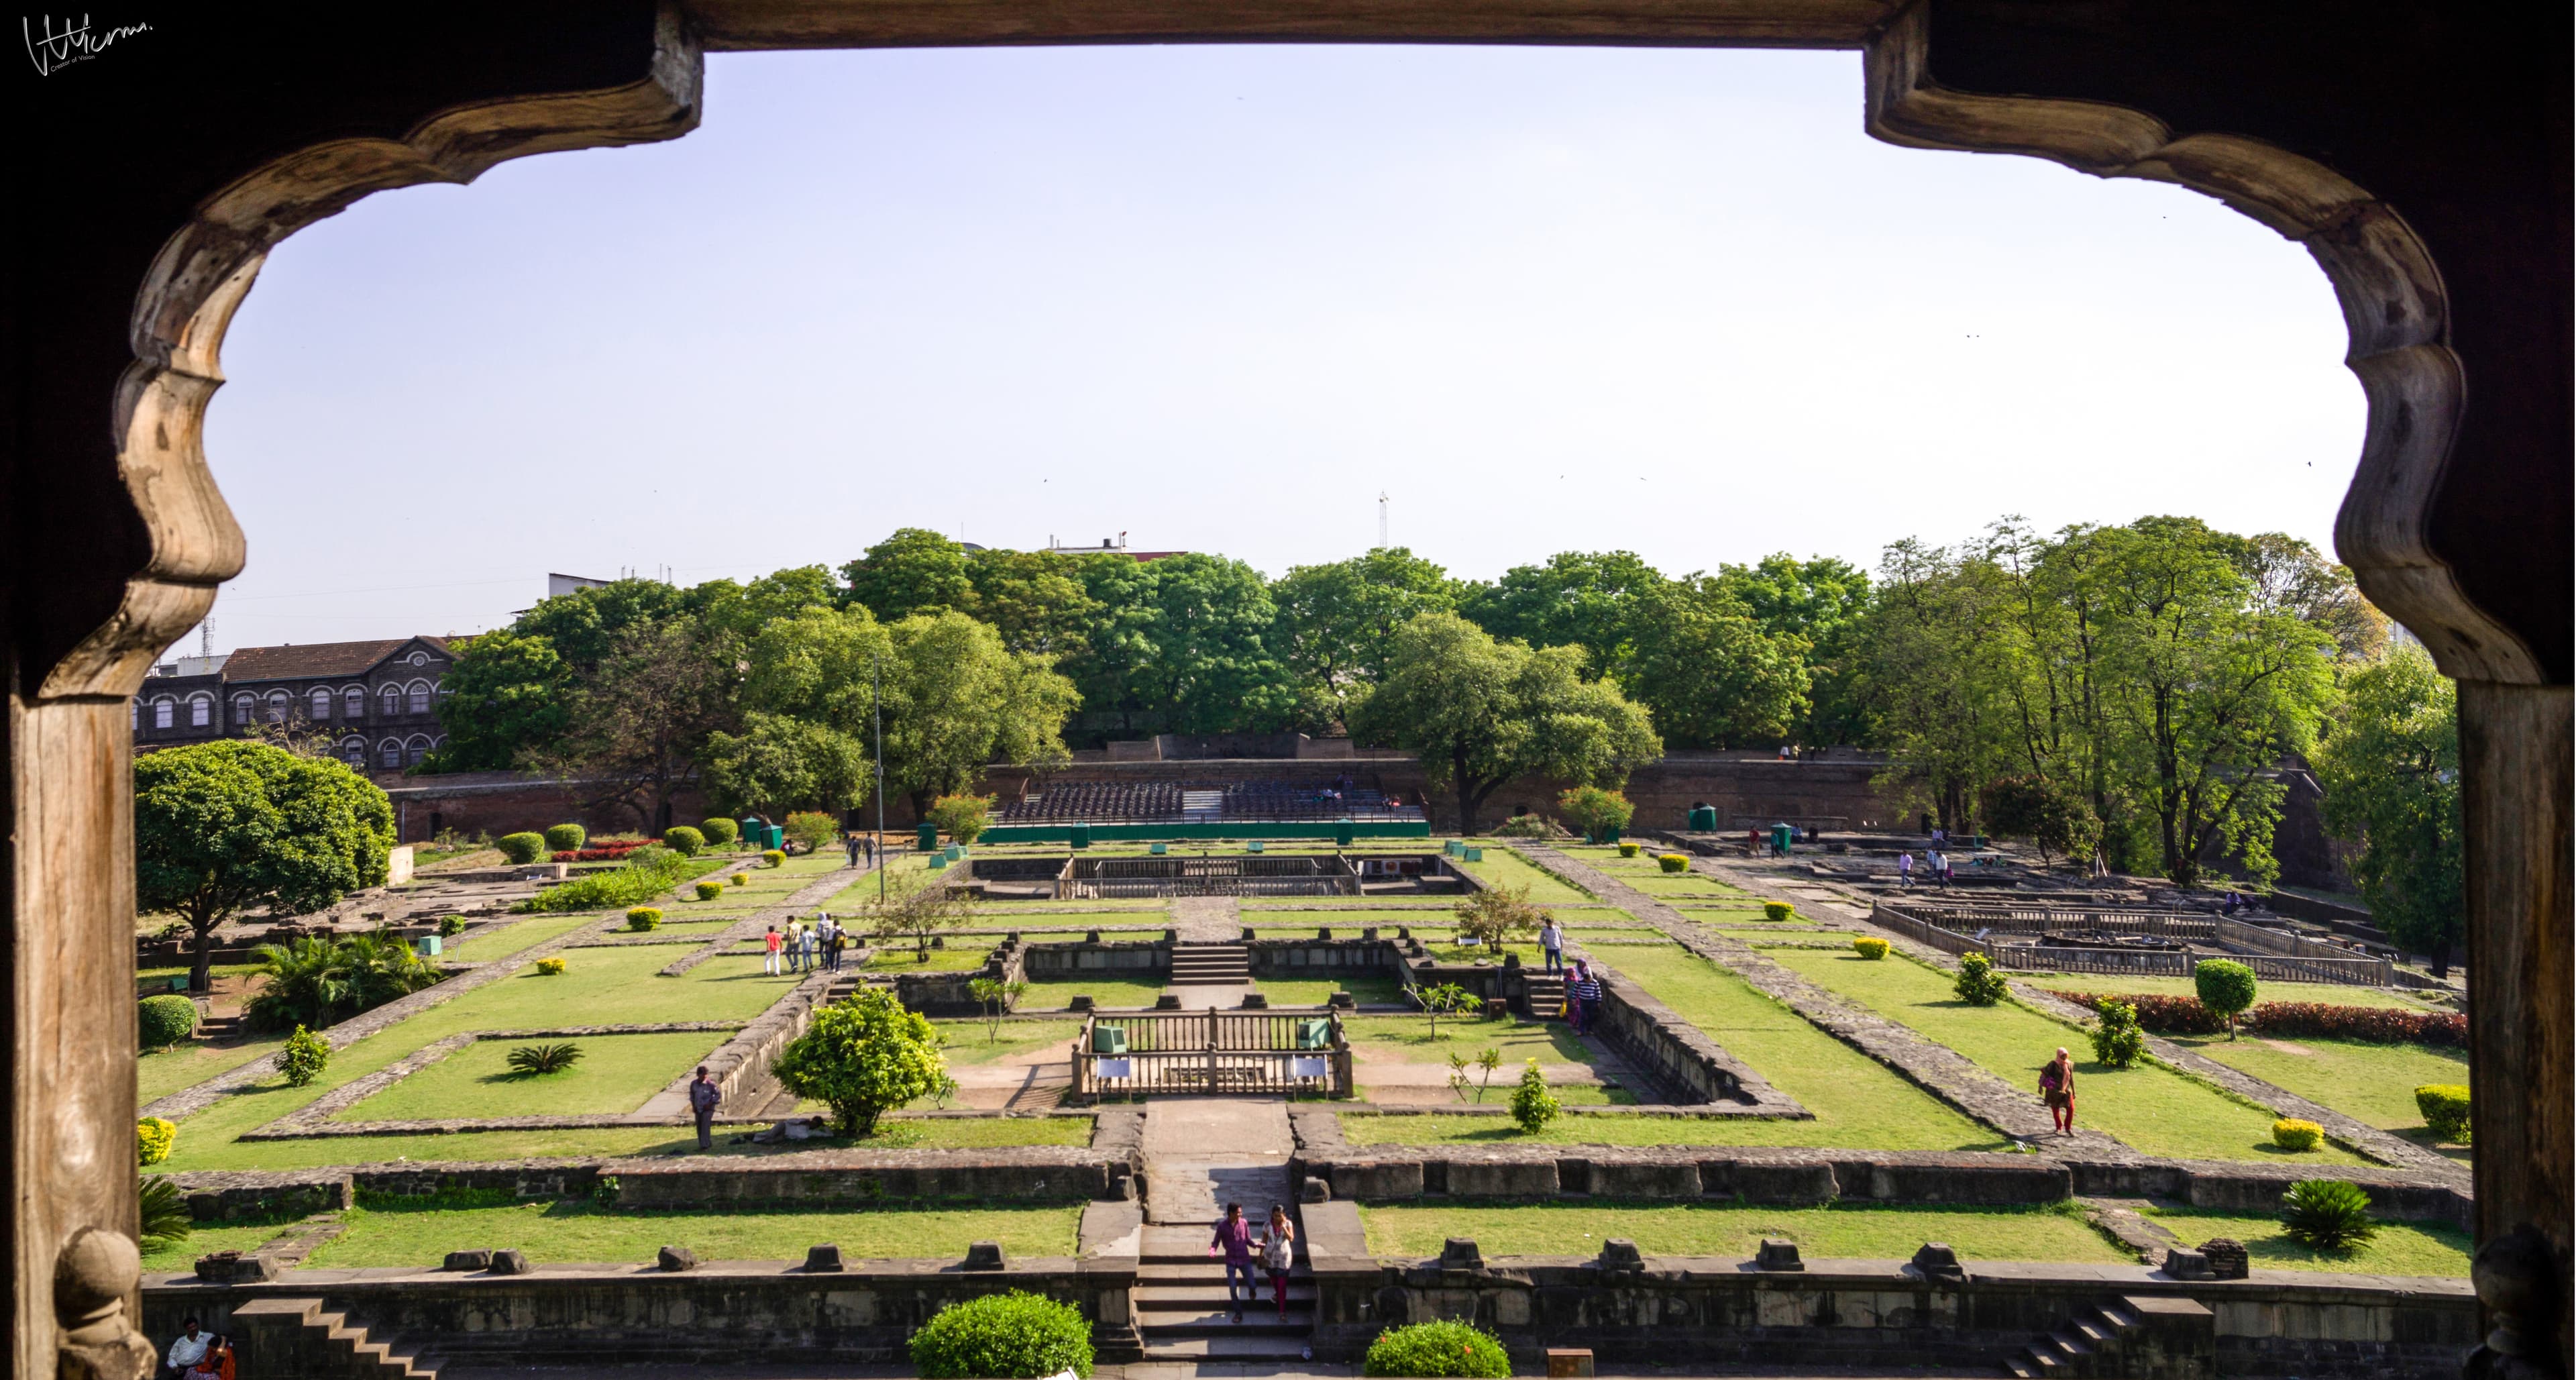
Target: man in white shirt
(1551, 942)
(193, 1344)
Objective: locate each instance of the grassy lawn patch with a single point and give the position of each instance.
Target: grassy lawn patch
(1370, 990)
(1103, 991)
(616, 1073)
(501, 943)
(905, 959)
(1675, 886)
(902, 877)
(159, 1073)
(1822, 1233)
(2400, 1248)
(972, 1042)
(1407, 1040)
(894, 1133)
(2148, 1107)
(2372, 1083)
(1503, 867)
(568, 1230)
(2323, 993)
(209, 1238)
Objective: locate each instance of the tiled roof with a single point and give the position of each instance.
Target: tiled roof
(318, 659)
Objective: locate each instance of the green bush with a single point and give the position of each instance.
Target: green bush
(450, 926)
(2446, 1111)
(2327, 1215)
(566, 838)
(1527, 827)
(2290, 1133)
(649, 872)
(773, 858)
(522, 848)
(535, 1060)
(167, 1019)
(316, 980)
(1630, 850)
(1438, 1349)
(154, 1139)
(2226, 987)
(862, 1056)
(1868, 947)
(1979, 984)
(1778, 910)
(550, 967)
(2117, 1040)
(1533, 1106)
(643, 918)
(720, 832)
(1673, 862)
(961, 817)
(162, 1212)
(683, 840)
(1013, 1336)
(708, 891)
(740, 879)
(305, 1056)
(1599, 814)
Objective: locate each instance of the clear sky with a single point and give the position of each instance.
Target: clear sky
(1219, 299)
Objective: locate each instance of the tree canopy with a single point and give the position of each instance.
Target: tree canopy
(2390, 766)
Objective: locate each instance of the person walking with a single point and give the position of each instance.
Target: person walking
(1905, 870)
(1279, 1255)
(2057, 1089)
(813, 943)
(794, 945)
(832, 943)
(703, 1097)
(1933, 861)
(1583, 998)
(1551, 944)
(769, 961)
(1234, 1237)
(851, 841)
(1946, 873)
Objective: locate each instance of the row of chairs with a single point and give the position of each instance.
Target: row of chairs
(1071, 801)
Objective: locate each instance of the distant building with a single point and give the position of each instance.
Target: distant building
(378, 701)
(1108, 547)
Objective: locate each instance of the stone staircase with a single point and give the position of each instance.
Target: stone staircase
(1181, 1308)
(1546, 994)
(1211, 965)
(300, 1337)
(2089, 1345)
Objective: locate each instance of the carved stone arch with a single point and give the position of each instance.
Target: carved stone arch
(2384, 278)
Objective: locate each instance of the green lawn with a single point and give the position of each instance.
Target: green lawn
(207, 1239)
(616, 1073)
(973, 1042)
(903, 958)
(1370, 990)
(501, 943)
(2055, 1233)
(2371, 1083)
(1103, 991)
(580, 1230)
(1408, 1040)
(902, 877)
(2400, 1248)
(2325, 993)
(159, 1073)
(894, 1133)
(1674, 887)
(1503, 867)
(2147, 1107)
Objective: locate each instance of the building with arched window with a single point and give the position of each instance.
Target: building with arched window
(376, 702)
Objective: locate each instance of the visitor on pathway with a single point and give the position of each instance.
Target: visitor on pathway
(1940, 867)
(769, 961)
(191, 1347)
(1551, 943)
(812, 942)
(1234, 1236)
(2057, 1089)
(795, 946)
(1279, 1255)
(1752, 841)
(703, 1097)
(1946, 864)
(1583, 998)
(851, 841)
(833, 944)
(1905, 869)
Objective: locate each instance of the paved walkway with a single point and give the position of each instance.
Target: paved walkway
(1201, 1153)
(1208, 919)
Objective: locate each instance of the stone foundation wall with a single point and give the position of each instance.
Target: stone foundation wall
(1125, 958)
(1325, 958)
(857, 1178)
(1689, 1065)
(1396, 1173)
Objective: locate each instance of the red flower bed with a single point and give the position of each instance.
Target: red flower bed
(606, 852)
(2315, 1020)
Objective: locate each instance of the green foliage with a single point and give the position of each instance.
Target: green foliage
(812, 830)
(1673, 862)
(2327, 1215)
(2295, 1135)
(1491, 711)
(744, 879)
(1337, 623)
(1869, 947)
(530, 1061)
(450, 926)
(305, 1056)
(224, 826)
(1494, 915)
(1978, 983)
(2057, 819)
(503, 696)
(165, 1020)
(566, 838)
(913, 571)
(162, 1211)
(2446, 1111)
(961, 817)
(2117, 1040)
(1630, 849)
(1711, 673)
(1778, 910)
(919, 914)
(862, 1056)
(317, 980)
(997, 997)
(154, 1138)
(1009, 1336)
(1446, 998)
(1528, 827)
(721, 831)
(2226, 987)
(1590, 600)
(550, 967)
(1487, 1063)
(2391, 772)
(1595, 813)
(683, 840)
(1183, 644)
(1533, 1106)
(772, 857)
(708, 891)
(1442, 1348)
(646, 917)
(647, 874)
(521, 848)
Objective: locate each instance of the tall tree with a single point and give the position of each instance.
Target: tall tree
(2390, 765)
(1182, 645)
(1822, 602)
(1034, 599)
(1928, 677)
(225, 826)
(638, 726)
(504, 694)
(1337, 622)
(957, 700)
(1486, 711)
(912, 571)
(1586, 599)
(1711, 673)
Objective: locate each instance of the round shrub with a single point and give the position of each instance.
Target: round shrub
(1868, 947)
(1778, 910)
(740, 879)
(1438, 1349)
(2327, 1215)
(2117, 1040)
(2290, 1133)
(1013, 1336)
(451, 926)
(566, 838)
(773, 858)
(1629, 850)
(550, 966)
(1673, 862)
(521, 848)
(683, 840)
(154, 1139)
(2226, 987)
(167, 1019)
(643, 918)
(305, 1056)
(708, 891)
(720, 832)
(2446, 1111)
(1533, 1106)
(1978, 983)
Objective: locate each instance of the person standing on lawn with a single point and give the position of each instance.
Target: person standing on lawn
(2057, 1089)
(1551, 943)
(1234, 1237)
(703, 1097)
(769, 961)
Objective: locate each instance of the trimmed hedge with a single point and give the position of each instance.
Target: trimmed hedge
(2446, 1110)
(720, 832)
(773, 858)
(1778, 910)
(1630, 850)
(1867, 947)
(1013, 1336)
(565, 837)
(167, 1019)
(550, 966)
(154, 1139)
(521, 849)
(643, 918)
(739, 879)
(683, 840)
(708, 891)
(1438, 1349)
(2316, 1020)
(2290, 1133)
(1673, 862)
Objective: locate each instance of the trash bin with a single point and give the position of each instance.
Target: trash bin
(426, 945)
(1703, 819)
(1157, 850)
(938, 862)
(1109, 1039)
(1343, 832)
(955, 852)
(1784, 839)
(1081, 835)
(1451, 847)
(1475, 854)
(750, 831)
(1253, 847)
(926, 837)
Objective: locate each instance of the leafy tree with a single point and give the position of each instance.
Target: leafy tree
(1213, 669)
(957, 700)
(586, 626)
(811, 829)
(1822, 603)
(2117, 1040)
(306, 1055)
(919, 914)
(1586, 599)
(1487, 1063)
(1493, 915)
(862, 1056)
(2055, 819)
(808, 727)
(1034, 599)
(641, 722)
(1978, 984)
(1337, 622)
(318, 981)
(2226, 987)
(1711, 673)
(1932, 681)
(1533, 1106)
(2288, 576)
(1487, 711)
(997, 997)
(743, 610)
(961, 817)
(2391, 772)
(778, 762)
(504, 694)
(222, 827)
(1445, 999)
(1594, 812)
(913, 571)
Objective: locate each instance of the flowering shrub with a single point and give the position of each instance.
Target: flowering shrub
(1442, 1348)
(1868, 947)
(550, 966)
(1673, 862)
(2446, 1110)
(606, 852)
(1630, 850)
(1778, 910)
(154, 1139)
(773, 857)
(643, 918)
(2314, 1020)
(2290, 1133)
(708, 891)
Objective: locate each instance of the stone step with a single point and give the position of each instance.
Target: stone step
(1169, 1298)
(1260, 1317)
(1237, 1344)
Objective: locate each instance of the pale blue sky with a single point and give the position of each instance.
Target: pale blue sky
(1218, 298)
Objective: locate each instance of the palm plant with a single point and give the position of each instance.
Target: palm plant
(316, 981)
(533, 1060)
(2327, 1215)
(165, 1215)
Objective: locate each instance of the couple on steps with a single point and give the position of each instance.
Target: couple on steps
(1278, 1254)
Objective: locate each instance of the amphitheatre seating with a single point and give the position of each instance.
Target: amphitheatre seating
(1067, 802)
(1096, 802)
(1280, 800)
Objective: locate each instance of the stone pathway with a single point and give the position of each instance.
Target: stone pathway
(1207, 919)
(1201, 1153)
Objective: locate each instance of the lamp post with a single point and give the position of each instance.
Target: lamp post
(876, 706)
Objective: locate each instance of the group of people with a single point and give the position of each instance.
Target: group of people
(862, 848)
(804, 948)
(1582, 986)
(1936, 867)
(1276, 1249)
(197, 1355)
